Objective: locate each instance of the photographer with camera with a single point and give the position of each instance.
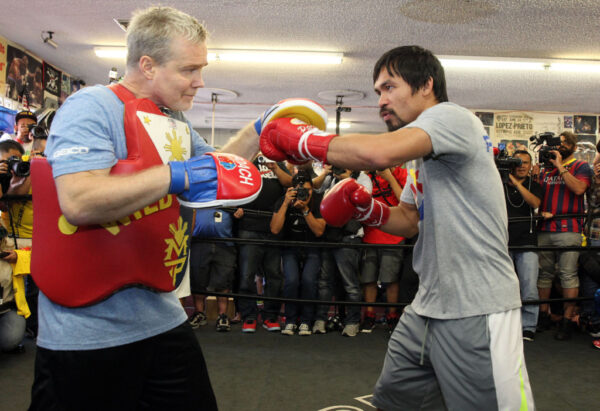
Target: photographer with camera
(25, 121)
(15, 180)
(298, 218)
(17, 216)
(564, 181)
(523, 196)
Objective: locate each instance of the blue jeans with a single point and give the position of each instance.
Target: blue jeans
(344, 261)
(588, 287)
(12, 330)
(301, 268)
(257, 259)
(527, 266)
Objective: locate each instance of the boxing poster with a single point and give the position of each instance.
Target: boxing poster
(51, 80)
(23, 77)
(65, 88)
(50, 100)
(584, 124)
(568, 122)
(486, 118)
(513, 126)
(3, 46)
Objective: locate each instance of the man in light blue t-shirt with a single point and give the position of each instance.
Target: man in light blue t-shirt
(133, 349)
(459, 344)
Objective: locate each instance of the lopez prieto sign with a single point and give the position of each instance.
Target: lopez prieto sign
(513, 126)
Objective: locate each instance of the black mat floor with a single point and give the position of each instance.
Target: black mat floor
(266, 371)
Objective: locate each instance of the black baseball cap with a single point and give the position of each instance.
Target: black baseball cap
(25, 114)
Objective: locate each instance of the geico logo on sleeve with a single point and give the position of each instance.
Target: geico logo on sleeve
(71, 151)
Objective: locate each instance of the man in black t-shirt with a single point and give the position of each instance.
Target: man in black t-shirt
(256, 259)
(298, 218)
(523, 196)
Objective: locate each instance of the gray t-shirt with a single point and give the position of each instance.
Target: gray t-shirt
(461, 254)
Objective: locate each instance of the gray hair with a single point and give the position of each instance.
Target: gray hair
(151, 30)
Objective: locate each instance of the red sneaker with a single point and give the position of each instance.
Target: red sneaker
(249, 326)
(596, 343)
(271, 325)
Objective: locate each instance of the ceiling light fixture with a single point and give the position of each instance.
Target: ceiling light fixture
(275, 56)
(111, 52)
(499, 64)
(575, 67)
(247, 56)
(520, 64)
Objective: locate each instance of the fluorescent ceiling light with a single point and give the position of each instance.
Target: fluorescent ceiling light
(111, 52)
(492, 64)
(247, 56)
(273, 56)
(575, 68)
(343, 125)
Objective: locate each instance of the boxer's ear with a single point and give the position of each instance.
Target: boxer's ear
(147, 67)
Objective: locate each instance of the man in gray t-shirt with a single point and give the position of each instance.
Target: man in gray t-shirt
(459, 344)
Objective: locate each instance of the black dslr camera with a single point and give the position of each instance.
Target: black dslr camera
(301, 193)
(298, 181)
(548, 142)
(16, 165)
(38, 132)
(505, 163)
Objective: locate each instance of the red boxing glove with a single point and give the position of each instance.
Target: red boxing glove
(348, 199)
(293, 140)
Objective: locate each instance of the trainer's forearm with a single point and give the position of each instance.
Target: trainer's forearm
(96, 197)
(244, 143)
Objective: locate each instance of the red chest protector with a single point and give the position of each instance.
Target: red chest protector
(78, 266)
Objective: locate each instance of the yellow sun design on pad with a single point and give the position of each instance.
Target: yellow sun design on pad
(175, 147)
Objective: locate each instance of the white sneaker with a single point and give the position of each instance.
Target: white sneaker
(319, 327)
(304, 329)
(290, 329)
(350, 330)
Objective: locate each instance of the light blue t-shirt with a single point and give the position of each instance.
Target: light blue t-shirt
(461, 255)
(88, 134)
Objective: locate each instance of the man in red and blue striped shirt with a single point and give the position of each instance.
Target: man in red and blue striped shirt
(564, 185)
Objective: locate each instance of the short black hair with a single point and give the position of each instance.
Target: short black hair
(7, 145)
(522, 152)
(416, 66)
(301, 177)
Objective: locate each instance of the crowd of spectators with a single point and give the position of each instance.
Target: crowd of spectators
(546, 205)
(542, 202)
(18, 292)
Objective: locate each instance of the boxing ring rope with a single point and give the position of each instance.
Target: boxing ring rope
(325, 244)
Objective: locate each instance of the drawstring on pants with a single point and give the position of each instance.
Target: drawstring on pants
(423, 343)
